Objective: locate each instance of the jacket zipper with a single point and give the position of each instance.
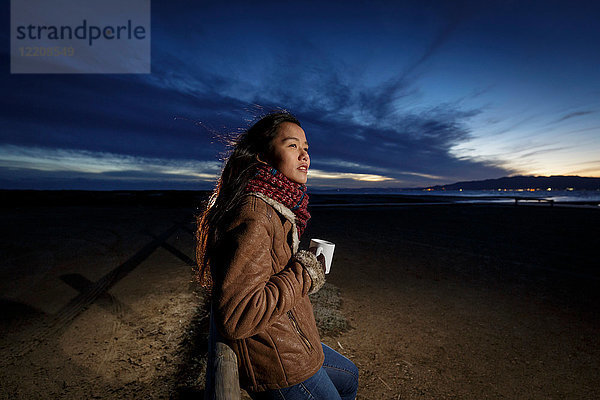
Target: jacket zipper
(295, 323)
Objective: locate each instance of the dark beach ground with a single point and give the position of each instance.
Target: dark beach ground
(442, 301)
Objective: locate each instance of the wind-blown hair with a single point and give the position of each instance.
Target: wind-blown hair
(248, 147)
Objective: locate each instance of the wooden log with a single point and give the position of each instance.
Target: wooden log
(222, 379)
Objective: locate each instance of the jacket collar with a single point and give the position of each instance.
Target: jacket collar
(285, 212)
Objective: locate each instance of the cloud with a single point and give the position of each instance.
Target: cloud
(31, 179)
(167, 119)
(344, 121)
(124, 126)
(319, 174)
(543, 151)
(26, 163)
(573, 115)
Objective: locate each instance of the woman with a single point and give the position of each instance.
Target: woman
(248, 255)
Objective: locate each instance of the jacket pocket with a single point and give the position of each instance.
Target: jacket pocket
(303, 337)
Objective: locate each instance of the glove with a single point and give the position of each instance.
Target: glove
(315, 268)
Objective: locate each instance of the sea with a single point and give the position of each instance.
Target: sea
(583, 197)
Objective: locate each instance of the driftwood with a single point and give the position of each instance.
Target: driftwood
(222, 380)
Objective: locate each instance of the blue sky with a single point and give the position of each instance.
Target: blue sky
(390, 94)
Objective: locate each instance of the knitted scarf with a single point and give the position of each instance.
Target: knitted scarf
(273, 184)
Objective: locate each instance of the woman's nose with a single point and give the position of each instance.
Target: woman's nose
(303, 155)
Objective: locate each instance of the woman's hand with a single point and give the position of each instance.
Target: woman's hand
(320, 257)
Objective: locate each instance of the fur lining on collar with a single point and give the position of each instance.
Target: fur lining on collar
(286, 212)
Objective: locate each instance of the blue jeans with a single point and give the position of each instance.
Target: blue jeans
(337, 379)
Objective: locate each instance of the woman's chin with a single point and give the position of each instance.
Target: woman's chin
(301, 179)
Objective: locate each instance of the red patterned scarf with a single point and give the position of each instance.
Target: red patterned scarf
(273, 184)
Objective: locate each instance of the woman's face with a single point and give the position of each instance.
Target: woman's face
(290, 152)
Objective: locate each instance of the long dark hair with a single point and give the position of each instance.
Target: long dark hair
(247, 148)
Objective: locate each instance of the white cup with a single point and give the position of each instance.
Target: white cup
(323, 247)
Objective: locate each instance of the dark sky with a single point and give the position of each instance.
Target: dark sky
(390, 94)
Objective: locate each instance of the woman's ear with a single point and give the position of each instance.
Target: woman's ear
(261, 161)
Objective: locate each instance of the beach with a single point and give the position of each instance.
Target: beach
(433, 301)
(468, 301)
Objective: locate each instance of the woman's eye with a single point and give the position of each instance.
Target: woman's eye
(292, 145)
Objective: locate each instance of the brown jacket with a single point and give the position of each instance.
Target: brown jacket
(260, 297)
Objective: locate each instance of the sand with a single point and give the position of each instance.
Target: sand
(444, 301)
(468, 301)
